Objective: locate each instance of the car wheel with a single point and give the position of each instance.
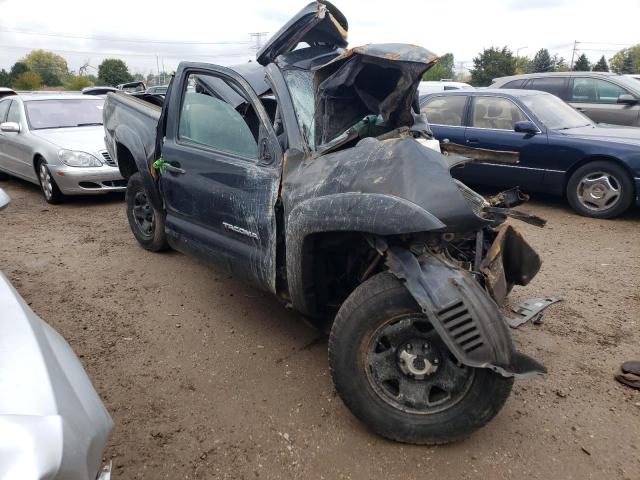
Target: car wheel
(146, 222)
(396, 375)
(4, 176)
(600, 189)
(50, 190)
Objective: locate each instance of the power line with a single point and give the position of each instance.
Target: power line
(127, 40)
(123, 54)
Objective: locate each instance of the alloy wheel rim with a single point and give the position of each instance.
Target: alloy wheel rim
(45, 181)
(410, 368)
(599, 191)
(143, 214)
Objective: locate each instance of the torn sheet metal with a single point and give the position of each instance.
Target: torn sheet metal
(318, 23)
(509, 261)
(377, 79)
(481, 154)
(531, 309)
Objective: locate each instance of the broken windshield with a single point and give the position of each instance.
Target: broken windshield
(300, 83)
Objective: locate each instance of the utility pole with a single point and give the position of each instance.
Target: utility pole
(573, 54)
(158, 69)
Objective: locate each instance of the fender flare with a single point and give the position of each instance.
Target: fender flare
(373, 213)
(128, 139)
(462, 313)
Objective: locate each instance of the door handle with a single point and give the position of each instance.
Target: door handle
(580, 109)
(473, 140)
(173, 169)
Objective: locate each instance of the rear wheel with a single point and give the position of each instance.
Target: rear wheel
(50, 190)
(600, 189)
(146, 221)
(396, 375)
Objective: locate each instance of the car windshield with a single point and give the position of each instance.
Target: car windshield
(300, 83)
(630, 81)
(554, 113)
(64, 113)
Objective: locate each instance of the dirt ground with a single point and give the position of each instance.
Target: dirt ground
(208, 378)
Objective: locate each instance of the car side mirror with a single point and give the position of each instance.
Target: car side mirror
(525, 127)
(627, 99)
(10, 127)
(5, 200)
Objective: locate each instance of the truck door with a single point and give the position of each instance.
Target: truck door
(223, 167)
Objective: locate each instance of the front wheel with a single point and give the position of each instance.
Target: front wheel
(146, 221)
(600, 189)
(50, 190)
(396, 375)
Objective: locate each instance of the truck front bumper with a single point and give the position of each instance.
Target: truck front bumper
(87, 181)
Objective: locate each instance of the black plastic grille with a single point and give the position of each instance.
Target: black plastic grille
(107, 158)
(456, 318)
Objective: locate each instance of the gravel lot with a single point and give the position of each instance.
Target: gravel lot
(208, 378)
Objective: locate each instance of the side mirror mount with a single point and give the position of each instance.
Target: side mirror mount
(526, 127)
(5, 200)
(10, 127)
(627, 99)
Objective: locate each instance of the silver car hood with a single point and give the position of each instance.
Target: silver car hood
(52, 422)
(84, 139)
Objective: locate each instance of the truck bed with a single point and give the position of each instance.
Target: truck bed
(124, 114)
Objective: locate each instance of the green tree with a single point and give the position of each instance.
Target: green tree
(28, 81)
(628, 64)
(582, 64)
(17, 69)
(492, 63)
(441, 70)
(77, 82)
(51, 67)
(617, 61)
(113, 71)
(559, 64)
(5, 78)
(541, 62)
(601, 65)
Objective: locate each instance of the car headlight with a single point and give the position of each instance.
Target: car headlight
(78, 159)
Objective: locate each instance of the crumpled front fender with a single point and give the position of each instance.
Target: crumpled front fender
(462, 312)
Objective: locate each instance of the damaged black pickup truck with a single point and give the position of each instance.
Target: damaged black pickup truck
(307, 173)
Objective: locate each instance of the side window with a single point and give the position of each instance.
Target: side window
(584, 90)
(553, 85)
(4, 108)
(514, 84)
(445, 110)
(215, 113)
(609, 92)
(14, 112)
(496, 113)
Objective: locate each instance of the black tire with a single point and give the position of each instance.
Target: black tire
(48, 186)
(146, 221)
(604, 176)
(368, 309)
(4, 176)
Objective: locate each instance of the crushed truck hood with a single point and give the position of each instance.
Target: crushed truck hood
(319, 23)
(398, 167)
(379, 79)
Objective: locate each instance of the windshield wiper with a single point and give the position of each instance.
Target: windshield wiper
(89, 124)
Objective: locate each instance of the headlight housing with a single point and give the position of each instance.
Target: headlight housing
(78, 159)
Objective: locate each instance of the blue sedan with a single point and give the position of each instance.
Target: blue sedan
(536, 141)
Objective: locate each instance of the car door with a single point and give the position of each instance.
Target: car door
(4, 109)
(598, 99)
(503, 156)
(223, 172)
(445, 114)
(16, 149)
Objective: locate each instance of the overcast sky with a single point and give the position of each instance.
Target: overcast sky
(219, 32)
